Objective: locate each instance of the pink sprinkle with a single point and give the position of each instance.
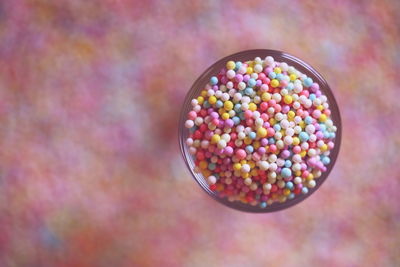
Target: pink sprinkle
(240, 154)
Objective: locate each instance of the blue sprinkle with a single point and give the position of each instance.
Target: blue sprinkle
(308, 120)
(213, 80)
(251, 82)
(241, 116)
(236, 120)
(249, 149)
(248, 91)
(303, 136)
(263, 205)
(332, 135)
(291, 196)
(308, 82)
(288, 164)
(237, 108)
(327, 134)
(322, 127)
(272, 75)
(238, 65)
(277, 127)
(252, 135)
(206, 104)
(219, 104)
(326, 160)
(290, 86)
(271, 141)
(312, 97)
(304, 190)
(279, 76)
(289, 185)
(286, 172)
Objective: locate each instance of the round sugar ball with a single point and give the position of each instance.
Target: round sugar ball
(258, 68)
(189, 123)
(230, 74)
(245, 168)
(264, 165)
(212, 179)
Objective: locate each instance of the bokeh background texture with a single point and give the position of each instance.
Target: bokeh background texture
(90, 170)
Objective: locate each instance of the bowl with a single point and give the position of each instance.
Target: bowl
(213, 70)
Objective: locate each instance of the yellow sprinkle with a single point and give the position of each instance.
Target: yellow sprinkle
(230, 65)
(228, 105)
(303, 153)
(256, 144)
(291, 114)
(237, 166)
(200, 100)
(293, 77)
(203, 93)
(286, 191)
(288, 99)
(215, 139)
(212, 100)
(252, 107)
(324, 148)
(251, 164)
(247, 140)
(296, 141)
(274, 83)
(277, 70)
(320, 107)
(262, 132)
(322, 118)
(225, 116)
(249, 70)
(266, 96)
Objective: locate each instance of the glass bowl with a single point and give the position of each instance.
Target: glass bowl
(247, 55)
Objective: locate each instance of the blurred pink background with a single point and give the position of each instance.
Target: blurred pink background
(90, 171)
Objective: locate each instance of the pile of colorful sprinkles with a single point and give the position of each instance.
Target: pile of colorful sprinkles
(260, 132)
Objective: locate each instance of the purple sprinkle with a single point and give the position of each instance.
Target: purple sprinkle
(264, 142)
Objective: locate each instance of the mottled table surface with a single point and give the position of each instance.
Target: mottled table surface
(90, 170)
